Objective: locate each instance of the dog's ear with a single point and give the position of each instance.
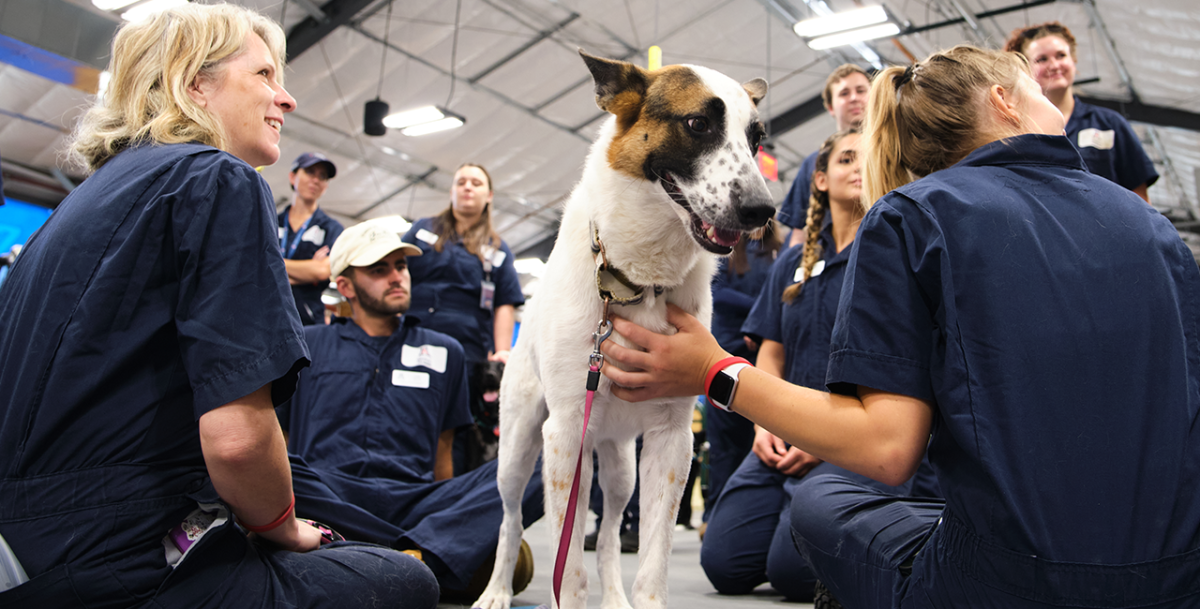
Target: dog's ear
(620, 86)
(757, 89)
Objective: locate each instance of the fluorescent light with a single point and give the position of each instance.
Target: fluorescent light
(408, 118)
(868, 33)
(840, 22)
(145, 10)
(450, 122)
(112, 5)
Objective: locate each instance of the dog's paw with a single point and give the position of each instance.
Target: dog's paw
(500, 599)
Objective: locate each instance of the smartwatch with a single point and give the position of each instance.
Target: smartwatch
(724, 385)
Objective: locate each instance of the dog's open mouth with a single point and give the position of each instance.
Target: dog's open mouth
(714, 239)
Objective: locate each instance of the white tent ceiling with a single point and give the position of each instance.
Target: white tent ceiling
(528, 98)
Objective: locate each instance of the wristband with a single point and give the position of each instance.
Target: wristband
(719, 366)
(275, 523)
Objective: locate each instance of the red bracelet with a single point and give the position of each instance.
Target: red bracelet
(275, 523)
(719, 366)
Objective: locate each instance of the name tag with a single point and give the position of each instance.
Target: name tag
(1095, 138)
(314, 235)
(282, 233)
(429, 356)
(498, 257)
(818, 268)
(427, 236)
(410, 378)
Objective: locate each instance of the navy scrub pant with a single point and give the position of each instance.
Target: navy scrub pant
(858, 539)
(455, 522)
(730, 437)
(749, 536)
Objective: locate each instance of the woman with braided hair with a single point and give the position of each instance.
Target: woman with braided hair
(749, 538)
(987, 317)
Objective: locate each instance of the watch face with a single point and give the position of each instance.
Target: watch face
(721, 388)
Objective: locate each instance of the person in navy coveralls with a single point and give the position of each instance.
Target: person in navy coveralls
(374, 420)
(1031, 325)
(465, 285)
(148, 334)
(306, 233)
(1109, 146)
(845, 98)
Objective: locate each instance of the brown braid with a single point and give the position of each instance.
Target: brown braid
(818, 205)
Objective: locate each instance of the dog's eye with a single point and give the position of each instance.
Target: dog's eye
(698, 124)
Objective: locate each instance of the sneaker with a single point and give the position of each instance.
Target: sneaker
(629, 542)
(523, 571)
(823, 598)
(522, 575)
(589, 541)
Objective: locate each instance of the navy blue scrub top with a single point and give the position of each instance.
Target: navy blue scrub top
(446, 289)
(1109, 147)
(794, 210)
(805, 325)
(154, 294)
(373, 407)
(320, 231)
(1050, 316)
(733, 297)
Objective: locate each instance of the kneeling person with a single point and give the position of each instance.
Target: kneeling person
(373, 420)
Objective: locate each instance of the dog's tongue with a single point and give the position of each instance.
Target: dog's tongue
(721, 236)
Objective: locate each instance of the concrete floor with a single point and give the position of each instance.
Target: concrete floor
(688, 585)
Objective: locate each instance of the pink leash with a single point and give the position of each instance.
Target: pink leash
(595, 362)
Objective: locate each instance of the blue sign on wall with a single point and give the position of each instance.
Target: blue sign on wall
(18, 220)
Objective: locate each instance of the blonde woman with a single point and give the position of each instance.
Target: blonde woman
(1039, 321)
(148, 334)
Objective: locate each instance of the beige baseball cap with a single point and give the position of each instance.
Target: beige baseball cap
(365, 244)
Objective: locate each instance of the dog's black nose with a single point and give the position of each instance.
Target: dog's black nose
(755, 213)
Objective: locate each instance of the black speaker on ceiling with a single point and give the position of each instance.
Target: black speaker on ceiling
(373, 115)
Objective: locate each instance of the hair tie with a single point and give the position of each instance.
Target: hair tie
(906, 77)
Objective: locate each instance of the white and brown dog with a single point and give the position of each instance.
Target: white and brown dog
(669, 185)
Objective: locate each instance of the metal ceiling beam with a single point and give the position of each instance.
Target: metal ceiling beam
(309, 32)
(798, 115)
(412, 181)
(978, 16)
(1146, 113)
(542, 35)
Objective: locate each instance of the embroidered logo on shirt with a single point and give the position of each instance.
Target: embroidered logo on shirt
(1095, 138)
(427, 236)
(314, 235)
(410, 378)
(429, 356)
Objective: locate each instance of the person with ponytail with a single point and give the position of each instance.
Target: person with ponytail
(1030, 325)
(748, 539)
(465, 285)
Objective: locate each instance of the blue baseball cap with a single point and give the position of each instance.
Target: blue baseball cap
(308, 159)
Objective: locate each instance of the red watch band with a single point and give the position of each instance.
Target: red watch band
(719, 366)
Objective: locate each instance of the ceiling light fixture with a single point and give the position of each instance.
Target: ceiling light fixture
(849, 27)
(446, 123)
(146, 9)
(374, 113)
(112, 5)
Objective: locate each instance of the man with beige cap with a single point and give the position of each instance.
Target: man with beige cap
(373, 419)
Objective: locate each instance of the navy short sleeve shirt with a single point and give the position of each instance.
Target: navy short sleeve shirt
(1050, 316)
(794, 210)
(734, 295)
(1109, 147)
(154, 294)
(804, 325)
(320, 231)
(446, 289)
(372, 407)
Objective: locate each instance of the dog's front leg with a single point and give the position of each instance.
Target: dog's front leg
(561, 437)
(617, 474)
(666, 458)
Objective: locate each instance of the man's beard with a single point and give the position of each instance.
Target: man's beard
(378, 306)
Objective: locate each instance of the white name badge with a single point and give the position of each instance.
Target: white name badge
(282, 233)
(818, 268)
(410, 378)
(429, 356)
(498, 258)
(1095, 138)
(314, 235)
(427, 236)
